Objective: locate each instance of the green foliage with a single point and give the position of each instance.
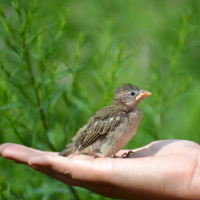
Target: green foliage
(61, 61)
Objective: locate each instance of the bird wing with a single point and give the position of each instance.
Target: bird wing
(104, 122)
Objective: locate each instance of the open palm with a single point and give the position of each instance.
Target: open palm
(168, 169)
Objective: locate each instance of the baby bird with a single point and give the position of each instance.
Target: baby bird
(111, 128)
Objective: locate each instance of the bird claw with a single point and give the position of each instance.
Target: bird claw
(126, 155)
(115, 156)
(97, 155)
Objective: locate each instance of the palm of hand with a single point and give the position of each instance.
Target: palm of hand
(163, 169)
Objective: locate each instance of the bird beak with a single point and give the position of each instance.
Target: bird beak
(142, 95)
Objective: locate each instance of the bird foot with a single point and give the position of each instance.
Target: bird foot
(96, 155)
(126, 155)
(115, 156)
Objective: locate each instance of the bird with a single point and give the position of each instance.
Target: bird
(111, 128)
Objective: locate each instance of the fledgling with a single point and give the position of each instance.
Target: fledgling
(111, 128)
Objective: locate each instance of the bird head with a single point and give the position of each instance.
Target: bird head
(129, 96)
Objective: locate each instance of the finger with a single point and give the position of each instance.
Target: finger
(22, 154)
(78, 169)
(58, 176)
(81, 157)
(87, 173)
(19, 153)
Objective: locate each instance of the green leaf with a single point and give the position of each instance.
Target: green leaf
(11, 106)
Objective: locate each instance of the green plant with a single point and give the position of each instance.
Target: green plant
(61, 61)
(170, 81)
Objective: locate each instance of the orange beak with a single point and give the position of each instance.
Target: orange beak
(142, 95)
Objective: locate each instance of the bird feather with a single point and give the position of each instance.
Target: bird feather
(99, 126)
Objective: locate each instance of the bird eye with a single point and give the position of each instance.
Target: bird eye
(131, 93)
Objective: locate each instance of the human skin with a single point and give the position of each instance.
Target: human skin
(168, 169)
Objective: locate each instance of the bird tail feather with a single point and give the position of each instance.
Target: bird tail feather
(71, 149)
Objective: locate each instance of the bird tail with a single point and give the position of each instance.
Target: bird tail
(71, 149)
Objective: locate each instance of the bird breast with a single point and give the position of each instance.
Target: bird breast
(123, 134)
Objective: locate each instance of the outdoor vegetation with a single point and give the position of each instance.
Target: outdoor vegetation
(62, 60)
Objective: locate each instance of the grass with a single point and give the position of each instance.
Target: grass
(62, 61)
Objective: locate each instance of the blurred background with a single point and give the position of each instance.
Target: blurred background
(60, 61)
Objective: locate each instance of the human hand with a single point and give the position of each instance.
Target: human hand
(168, 169)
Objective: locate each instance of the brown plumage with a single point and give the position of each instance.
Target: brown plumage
(111, 127)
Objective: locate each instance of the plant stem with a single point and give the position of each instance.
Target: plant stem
(33, 82)
(73, 191)
(38, 100)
